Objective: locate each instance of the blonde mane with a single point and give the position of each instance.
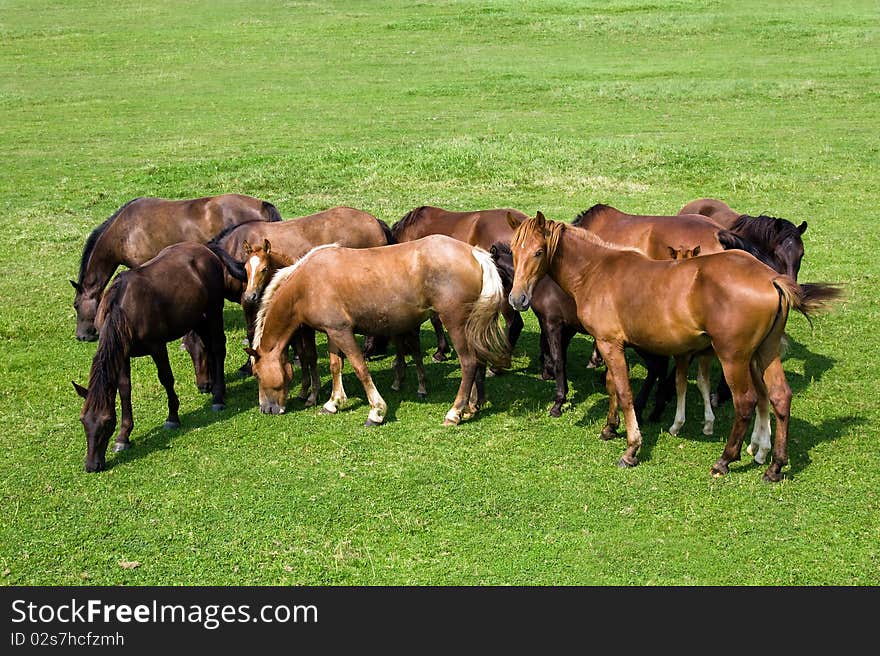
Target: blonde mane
(280, 276)
(552, 231)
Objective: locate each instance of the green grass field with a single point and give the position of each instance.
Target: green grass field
(385, 106)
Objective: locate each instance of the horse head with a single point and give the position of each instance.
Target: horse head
(274, 373)
(788, 249)
(99, 422)
(532, 246)
(259, 270)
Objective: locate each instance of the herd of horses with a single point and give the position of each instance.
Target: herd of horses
(707, 282)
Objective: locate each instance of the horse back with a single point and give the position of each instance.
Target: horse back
(712, 208)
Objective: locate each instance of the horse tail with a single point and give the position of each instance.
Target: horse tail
(483, 326)
(730, 240)
(233, 266)
(389, 236)
(809, 298)
(270, 211)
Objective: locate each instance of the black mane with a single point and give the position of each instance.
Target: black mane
(406, 221)
(93, 239)
(765, 230)
(114, 345)
(590, 213)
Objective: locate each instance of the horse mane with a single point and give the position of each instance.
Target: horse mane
(215, 240)
(586, 215)
(765, 229)
(389, 235)
(405, 222)
(730, 240)
(114, 345)
(280, 276)
(93, 237)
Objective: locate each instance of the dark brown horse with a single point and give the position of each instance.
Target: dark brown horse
(780, 239)
(727, 302)
(141, 228)
(478, 228)
(180, 290)
(390, 290)
(283, 243)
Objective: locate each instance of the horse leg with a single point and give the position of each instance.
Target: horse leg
(759, 444)
(121, 443)
(338, 397)
(738, 376)
(595, 357)
(461, 407)
(478, 391)
(780, 397)
(346, 342)
(250, 322)
(414, 346)
(311, 382)
(514, 323)
(558, 339)
(442, 345)
(722, 393)
(192, 344)
(217, 341)
(166, 377)
(656, 366)
(703, 364)
(681, 372)
(612, 421)
(399, 362)
(545, 360)
(618, 372)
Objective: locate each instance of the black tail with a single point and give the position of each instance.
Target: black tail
(730, 240)
(233, 266)
(389, 236)
(271, 212)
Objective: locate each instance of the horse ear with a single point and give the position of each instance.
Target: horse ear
(539, 217)
(512, 221)
(82, 391)
(76, 286)
(251, 352)
(802, 228)
(246, 247)
(696, 251)
(267, 246)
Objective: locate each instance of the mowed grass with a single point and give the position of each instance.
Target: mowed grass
(550, 106)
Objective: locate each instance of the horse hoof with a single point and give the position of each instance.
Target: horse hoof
(205, 389)
(713, 400)
(325, 411)
(449, 422)
(172, 424)
(708, 429)
(555, 411)
(719, 469)
(547, 375)
(771, 477)
(217, 407)
(422, 396)
(308, 403)
(627, 463)
(369, 423)
(608, 433)
(121, 446)
(438, 357)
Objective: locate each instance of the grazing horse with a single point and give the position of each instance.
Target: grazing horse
(141, 228)
(390, 290)
(728, 302)
(285, 242)
(780, 239)
(180, 290)
(478, 228)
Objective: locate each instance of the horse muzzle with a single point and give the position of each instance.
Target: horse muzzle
(270, 408)
(88, 335)
(519, 302)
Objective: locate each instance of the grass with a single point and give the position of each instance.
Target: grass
(387, 106)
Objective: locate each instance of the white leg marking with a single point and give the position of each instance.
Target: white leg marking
(678, 422)
(760, 443)
(376, 415)
(453, 416)
(703, 385)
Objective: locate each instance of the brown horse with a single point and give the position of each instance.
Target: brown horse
(390, 290)
(478, 228)
(727, 302)
(285, 242)
(180, 290)
(141, 228)
(780, 239)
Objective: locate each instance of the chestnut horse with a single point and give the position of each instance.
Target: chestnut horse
(781, 239)
(727, 302)
(478, 228)
(141, 228)
(180, 290)
(285, 242)
(390, 290)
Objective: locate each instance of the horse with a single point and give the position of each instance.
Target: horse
(727, 302)
(141, 228)
(388, 290)
(781, 239)
(559, 323)
(180, 290)
(285, 242)
(478, 228)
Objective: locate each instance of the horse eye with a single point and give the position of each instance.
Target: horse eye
(539, 252)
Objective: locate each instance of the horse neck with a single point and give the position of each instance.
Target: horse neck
(102, 262)
(114, 347)
(274, 321)
(575, 262)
